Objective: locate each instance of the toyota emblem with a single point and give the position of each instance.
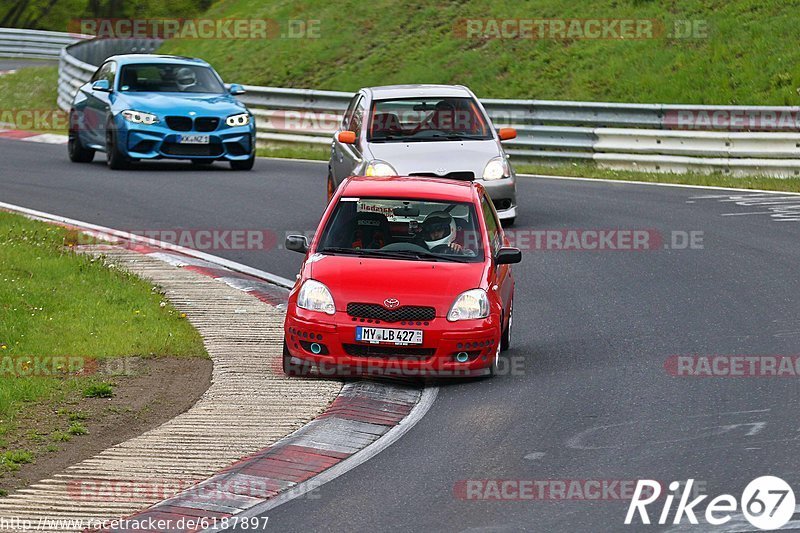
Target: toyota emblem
(391, 303)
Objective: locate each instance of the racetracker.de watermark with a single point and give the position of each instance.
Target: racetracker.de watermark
(209, 239)
(55, 366)
(732, 119)
(199, 28)
(733, 366)
(545, 489)
(142, 523)
(35, 119)
(410, 367)
(621, 29)
(616, 239)
(212, 491)
(46, 366)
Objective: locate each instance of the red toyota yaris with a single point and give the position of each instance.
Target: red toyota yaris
(405, 275)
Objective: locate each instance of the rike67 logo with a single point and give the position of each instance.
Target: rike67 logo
(768, 503)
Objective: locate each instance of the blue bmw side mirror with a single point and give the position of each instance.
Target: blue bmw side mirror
(101, 85)
(236, 89)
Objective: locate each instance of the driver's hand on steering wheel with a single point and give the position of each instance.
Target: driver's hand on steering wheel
(455, 247)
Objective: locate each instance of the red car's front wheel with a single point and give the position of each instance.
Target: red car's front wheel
(331, 186)
(505, 339)
(294, 369)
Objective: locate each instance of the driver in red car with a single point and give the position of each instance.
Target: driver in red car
(439, 230)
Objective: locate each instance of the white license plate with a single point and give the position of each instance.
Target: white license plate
(194, 139)
(398, 337)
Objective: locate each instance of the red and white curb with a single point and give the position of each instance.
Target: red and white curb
(364, 419)
(32, 136)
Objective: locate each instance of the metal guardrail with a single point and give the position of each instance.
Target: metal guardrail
(615, 135)
(34, 44)
(77, 62)
(656, 137)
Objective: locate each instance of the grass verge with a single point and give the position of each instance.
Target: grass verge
(590, 170)
(28, 100)
(64, 319)
(288, 151)
(699, 51)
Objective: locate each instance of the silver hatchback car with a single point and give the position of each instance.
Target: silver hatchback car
(424, 130)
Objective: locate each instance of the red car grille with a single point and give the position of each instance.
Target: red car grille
(367, 350)
(378, 312)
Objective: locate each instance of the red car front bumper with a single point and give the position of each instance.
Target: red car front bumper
(338, 353)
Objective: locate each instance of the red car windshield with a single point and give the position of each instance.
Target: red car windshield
(404, 229)
(427, 119)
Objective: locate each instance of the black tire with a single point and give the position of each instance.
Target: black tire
(115, 159)
(494, 368)
(505, 338)
(77, 152)
(331, 185)
(245, 164)
(294, 369)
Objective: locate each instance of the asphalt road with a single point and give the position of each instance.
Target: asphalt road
(590, 397)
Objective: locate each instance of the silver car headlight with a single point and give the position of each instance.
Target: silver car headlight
(496, 168)
(376, 167)
(469, 305)
(139, 117)
(242, 119)
(315, 296)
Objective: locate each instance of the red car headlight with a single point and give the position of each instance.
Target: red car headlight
(469, 305)
(315, 296)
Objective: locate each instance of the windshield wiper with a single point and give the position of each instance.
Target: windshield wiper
(393, 254)
(425, 255)
(362, 252)
(407, 139)
(457, 137)
(341, 250)
(388, 138)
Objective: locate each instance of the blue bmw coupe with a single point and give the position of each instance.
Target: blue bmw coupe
(141, 106)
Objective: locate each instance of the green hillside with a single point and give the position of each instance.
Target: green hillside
(744, 53)
(62, 15)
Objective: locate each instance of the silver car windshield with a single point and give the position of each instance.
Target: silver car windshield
(427, 119)
(404, 229)
(167, 78)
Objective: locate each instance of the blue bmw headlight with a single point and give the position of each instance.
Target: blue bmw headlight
(139, 117)
(242, 119)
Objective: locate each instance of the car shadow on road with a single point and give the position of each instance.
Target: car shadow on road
(173, 166)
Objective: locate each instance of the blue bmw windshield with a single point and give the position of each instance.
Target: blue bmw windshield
(167, 78)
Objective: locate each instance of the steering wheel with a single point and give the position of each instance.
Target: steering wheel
(443, 249)
(446, 250)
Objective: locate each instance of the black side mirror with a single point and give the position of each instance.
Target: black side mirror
(508, 256)
(297, 243)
